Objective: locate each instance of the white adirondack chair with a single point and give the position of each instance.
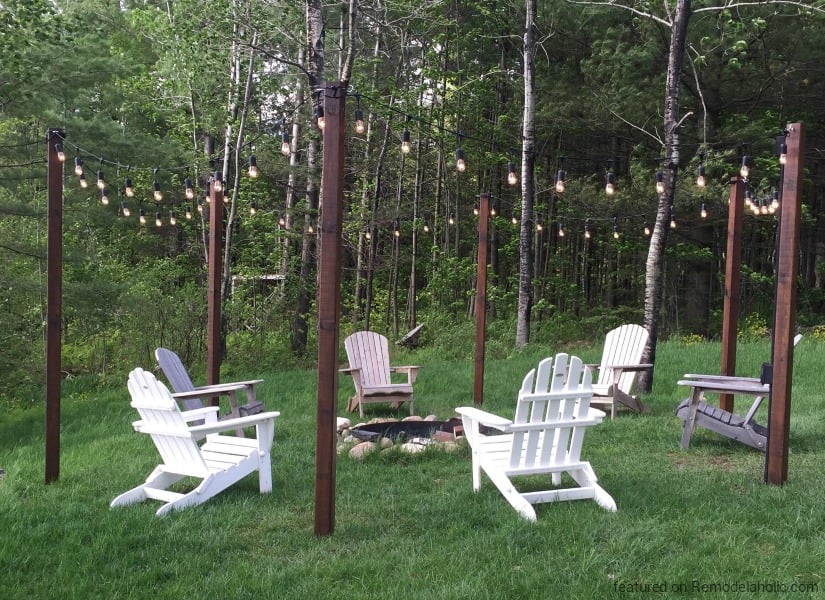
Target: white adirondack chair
(369, 366)
(219, 462)
(552, 413)
(621, 360)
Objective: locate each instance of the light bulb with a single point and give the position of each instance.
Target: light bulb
(190, 191)
(253, 166)
(142, 216)
(512, 178)
(660, 182)
(217, 181)
(359, 121)
(319, 113)
(188, 212)
(78, 166)
(61, 156)
(704, 212)
(253, 208)
(744, 171)
(700, 176)
(101, 181)
(460, 165)
(83, 183)
(561, 231)
(128, 188)
(156, 193)
(124, 208)
(646, 228)
(285, 147)
(172, 218)
(405, 142)
(783, 154)
(158, 221)
(610, 186)
(104, 197)
(560, 181)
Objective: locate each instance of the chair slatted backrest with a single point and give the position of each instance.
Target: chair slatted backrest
(622, 346)
(162, 420)
(369, 351)
(172, 366)
(553, 395)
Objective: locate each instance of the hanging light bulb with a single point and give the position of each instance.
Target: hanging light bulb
(494, 208)
(660, 182)
(200, 206)
(189, 191)
(285, 147)
(610, 185)
(514, 219)
(58, 149)
(783, 153)
(587, 229)
(672, 218)
(560, 181)
(451, 219)
(187, 211)
(217, 181)
(142, 216)
(319, 116)
(703, 212)
(615, 228)
(173, 220)
(763, 206)
(512, 178)
(539, 225)
(83, 183)
(359, 120)
(310, 228)
(104, 197)
(101, 180)
(368, 234)
(253, 166)
(396, 228)
(748, 199)
(225, 195)
(405, 142)
(460, 164)
(78, 166)
(475, 209)
(646, 229)
(253, 208)
(282, 220)
(124, 209)
(158, 220)
(775, 200)
(561, 229)
(426, 227)
(700, 176)
(744, 170)
(128, 188)
(156, 193)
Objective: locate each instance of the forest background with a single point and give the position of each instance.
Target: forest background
(159, 96)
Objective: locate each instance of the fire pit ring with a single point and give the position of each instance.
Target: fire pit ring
(404, 430)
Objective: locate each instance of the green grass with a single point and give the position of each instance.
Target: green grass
(410, 526)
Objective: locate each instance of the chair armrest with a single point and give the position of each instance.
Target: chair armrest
(238, 423)
(410, 370)
(484, 418)
(197, 414)
(349, 370)
(235, 384)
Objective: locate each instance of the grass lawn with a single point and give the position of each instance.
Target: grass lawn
(690, 523)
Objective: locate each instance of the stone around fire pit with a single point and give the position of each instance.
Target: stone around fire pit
(412, 434)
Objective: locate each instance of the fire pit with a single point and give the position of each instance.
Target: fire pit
(406, 430)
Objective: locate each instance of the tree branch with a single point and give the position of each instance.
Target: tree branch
(625, 7)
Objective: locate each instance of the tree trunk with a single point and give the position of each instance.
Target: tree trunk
(525, 300)
(654, 280)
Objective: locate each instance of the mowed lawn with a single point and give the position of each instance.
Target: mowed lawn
(690, 523)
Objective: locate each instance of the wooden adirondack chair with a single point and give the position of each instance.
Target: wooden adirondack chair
(695, 412)
(192, 397)
(369, 365)
(552, 413)
(221, 461)
(621, 360)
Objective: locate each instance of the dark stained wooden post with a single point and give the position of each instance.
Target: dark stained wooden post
(779, 412)
(328, 299)
(213, 323)
(733, 259)
(481, 295)
(54, 301)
